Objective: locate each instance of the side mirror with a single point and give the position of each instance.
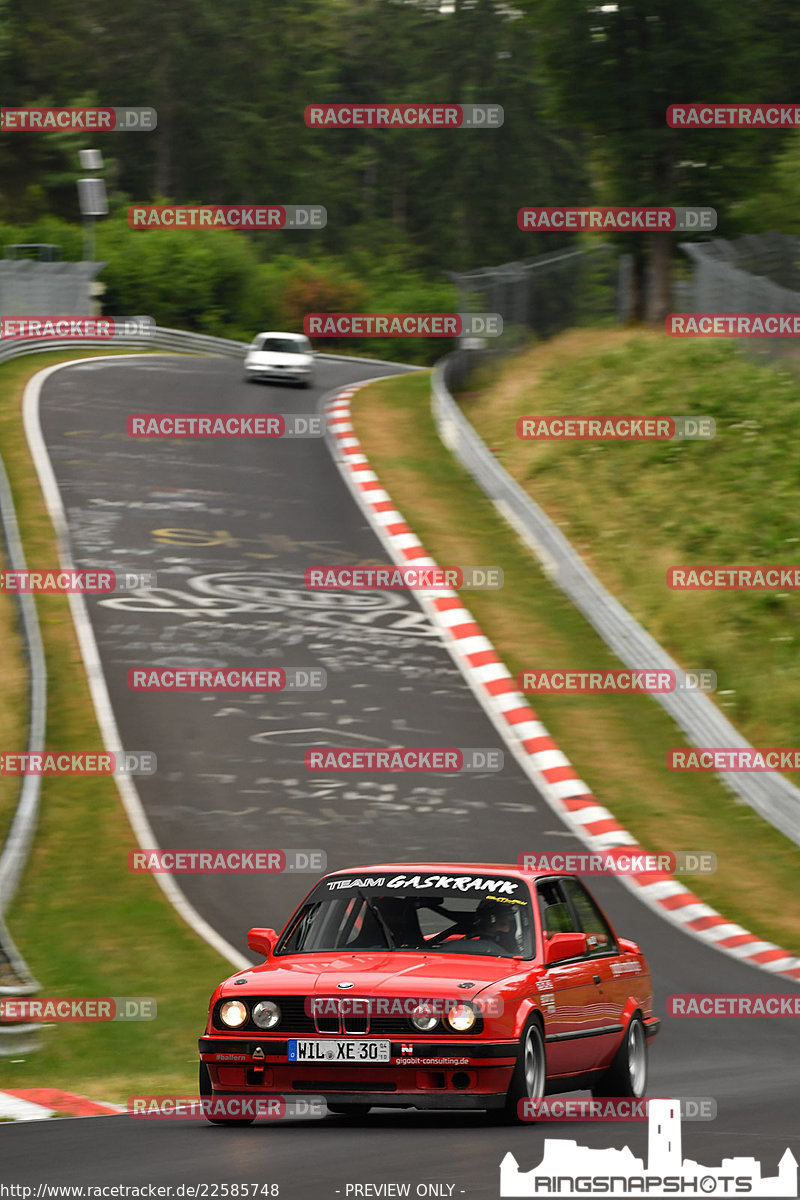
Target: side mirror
(564, 945)
(262, 941)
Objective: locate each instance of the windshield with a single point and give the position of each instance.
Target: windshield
(435, 914)
(284, 346)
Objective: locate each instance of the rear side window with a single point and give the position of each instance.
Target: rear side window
(590, 920)
(556, 915)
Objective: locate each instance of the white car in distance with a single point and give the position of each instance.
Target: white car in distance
(280, 356)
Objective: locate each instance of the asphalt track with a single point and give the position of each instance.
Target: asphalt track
(229, 527)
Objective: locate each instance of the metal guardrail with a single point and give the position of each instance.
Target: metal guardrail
(770, 794)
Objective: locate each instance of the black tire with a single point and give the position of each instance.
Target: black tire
(627, 1075)
(529, 1080)
(349, 1110)
(207, 1090)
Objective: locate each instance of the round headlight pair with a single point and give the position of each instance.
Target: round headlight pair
(234, 1013)
(459, 1019)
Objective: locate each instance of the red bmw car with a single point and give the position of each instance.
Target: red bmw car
(437, 985)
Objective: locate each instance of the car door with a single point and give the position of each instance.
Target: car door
(602, 953)
(572, 999)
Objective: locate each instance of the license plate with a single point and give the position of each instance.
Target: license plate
(331, 1051)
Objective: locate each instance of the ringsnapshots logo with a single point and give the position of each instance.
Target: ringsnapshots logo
(615, 429)
(623, 860)
(742, 325)
(79, 329)
(404, 116)
(567, 1169)
(733, 116)
(78, 762)
(227, 679)
(225, 425)
(624, 681)
(97, 120)
(412, 577)
(78, 1008)
(402, 324)
(410, 759)
(89, 582)
(617, 219)
(227, 862)
(228, 216)
(227, 1107)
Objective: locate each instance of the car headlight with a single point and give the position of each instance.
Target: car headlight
(423, 1019)
(266, 1014)
(233, 1013)
(461, 1018)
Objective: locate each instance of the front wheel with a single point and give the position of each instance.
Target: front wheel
(530, 1074)
(207, 1090)
(627, 1075)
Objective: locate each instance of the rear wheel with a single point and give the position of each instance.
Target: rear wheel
(627, 1075)
(349, 1110)
(530, 1074)
(207, 1090)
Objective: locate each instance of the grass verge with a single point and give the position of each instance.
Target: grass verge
(84, 924)
(617, 743)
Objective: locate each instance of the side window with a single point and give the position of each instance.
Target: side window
(555, 912)
(590, 920)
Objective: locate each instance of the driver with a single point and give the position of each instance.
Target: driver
(495, 921)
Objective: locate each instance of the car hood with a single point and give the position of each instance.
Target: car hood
(271, 358)
(378, 974)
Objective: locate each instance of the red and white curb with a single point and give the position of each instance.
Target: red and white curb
(522, 731)
(39, 1104)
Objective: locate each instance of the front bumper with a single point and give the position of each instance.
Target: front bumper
(441, 1074)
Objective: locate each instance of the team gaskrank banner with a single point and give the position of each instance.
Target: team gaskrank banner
(424, 883)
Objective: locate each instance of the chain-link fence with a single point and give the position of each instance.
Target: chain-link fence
(543, 295)
(753, 274)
